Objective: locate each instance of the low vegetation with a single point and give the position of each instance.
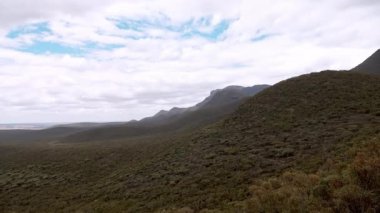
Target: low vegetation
(346, 183)
(290, 141)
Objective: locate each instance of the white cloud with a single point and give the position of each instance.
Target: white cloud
(265, 42)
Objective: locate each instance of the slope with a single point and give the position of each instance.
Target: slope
(53, 133)
(297, 123)
(371, 65)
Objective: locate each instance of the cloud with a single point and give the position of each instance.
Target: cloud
(14, 12)
(119, 60)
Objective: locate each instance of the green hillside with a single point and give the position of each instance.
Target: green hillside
(298, 124)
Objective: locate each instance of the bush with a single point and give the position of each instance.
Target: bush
(286, 152)
(352, 198)
(354, 188)
(366, 167)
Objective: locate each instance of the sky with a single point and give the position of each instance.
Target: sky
(116, 60)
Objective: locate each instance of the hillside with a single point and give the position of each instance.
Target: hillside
(299, 124)
(219, 104)
(296, 123)
(371, 65)
(53, 133)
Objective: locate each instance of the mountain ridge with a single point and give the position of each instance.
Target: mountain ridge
(216, 98)
(203, 113)
(371, 65)
(217, 105)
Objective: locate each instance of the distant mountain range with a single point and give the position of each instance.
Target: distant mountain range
(229, 96)
(220, 103)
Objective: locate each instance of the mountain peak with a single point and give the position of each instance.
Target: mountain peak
(228, 88)
(228, 95)
(161, 112)
(377, 53)
(371, 65)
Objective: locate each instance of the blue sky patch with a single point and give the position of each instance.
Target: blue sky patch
(214, 34)
(201, 27)
(89, 45)
(186, 30)
(41, 46)
(136, 25)
(47, 47)
(37, 28)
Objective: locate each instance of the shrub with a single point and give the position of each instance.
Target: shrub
(366, 167)
(286, 152)
(354, 188)
(352, 198)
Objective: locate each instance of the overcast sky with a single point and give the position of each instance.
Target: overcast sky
(97, 60)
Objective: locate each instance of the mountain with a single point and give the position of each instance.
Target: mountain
(288, 140)
(89, 124)
(300, 123)
(220, 103)
(297, 123)
(231, 95)
(371, 65)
